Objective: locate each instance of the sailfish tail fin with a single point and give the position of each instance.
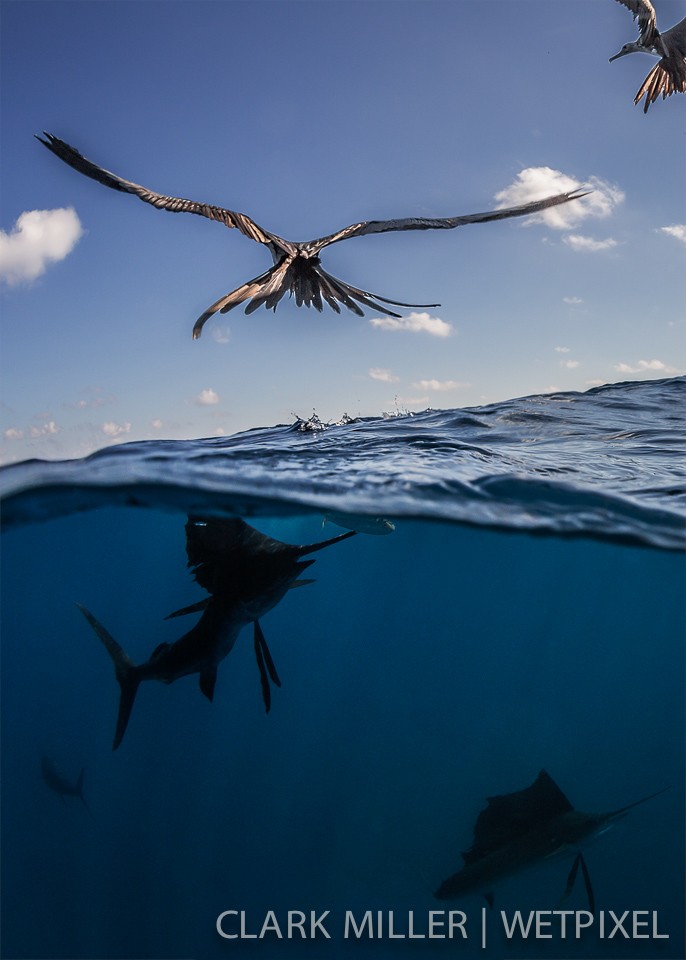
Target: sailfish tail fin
(124, 670)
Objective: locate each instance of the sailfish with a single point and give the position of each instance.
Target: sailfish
(521, 829)
(297, 269)
(59, 784)
(246, 573)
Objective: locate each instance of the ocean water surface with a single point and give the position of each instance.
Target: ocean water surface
(514, 601)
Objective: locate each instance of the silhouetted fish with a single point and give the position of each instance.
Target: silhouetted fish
(246, 574)
(518, 830)
(60, 785)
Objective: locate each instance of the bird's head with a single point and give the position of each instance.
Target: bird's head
(634, 47)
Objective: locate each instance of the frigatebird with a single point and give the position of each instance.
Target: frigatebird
(297, 268)
(668, 76)
(521, 829)
(246, 574)
(59, 784)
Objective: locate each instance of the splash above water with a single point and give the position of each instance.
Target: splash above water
(606, 464)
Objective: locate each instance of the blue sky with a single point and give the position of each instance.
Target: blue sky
(309, 116)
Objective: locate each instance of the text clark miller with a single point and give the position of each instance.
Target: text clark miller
(439, 925)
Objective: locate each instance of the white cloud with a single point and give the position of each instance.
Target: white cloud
(38, 237)
(221, 334)
(415, 323)
(413, 401)
(157, 424)
(594, 383)
(380, 373)
(569, 364)
(48, 428)
(113, 429)
(13, 434)
(96, 401)
(643, 366)
(677, 230)
(206, 398)
(534, 183)
(440, 385)
(573, 301)
(562, 349)
(577, 242)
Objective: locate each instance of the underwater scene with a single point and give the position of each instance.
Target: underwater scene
(430, 695)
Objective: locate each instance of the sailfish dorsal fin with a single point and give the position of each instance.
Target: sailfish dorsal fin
(512, 815)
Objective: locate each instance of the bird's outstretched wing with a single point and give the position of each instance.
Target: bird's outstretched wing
(446, 223)
(229, 218)
(643, 11)
(668, 76)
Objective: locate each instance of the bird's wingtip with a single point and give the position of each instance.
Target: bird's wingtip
(49, 141)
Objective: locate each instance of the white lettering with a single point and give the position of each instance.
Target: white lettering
(358, 931)
(271, 925)
(298, 924)
(410, 928)
(391, 934)
(517, 923)
(244, 935)
(540, 922)
(618, 924)
(220, 929)
(457, 924)
(639, 923)
(579, 926)
(317, 924)
(656, 935)
(563, 914)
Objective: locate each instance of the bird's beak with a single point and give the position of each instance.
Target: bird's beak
(622, 53)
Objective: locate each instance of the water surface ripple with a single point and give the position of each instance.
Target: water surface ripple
(607, 463)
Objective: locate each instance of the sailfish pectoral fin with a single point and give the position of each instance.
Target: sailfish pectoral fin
(266, 666)
(571, 879)
(267, 655)
(587, 884)
(193, 608)
(264, 679)
(208, 679)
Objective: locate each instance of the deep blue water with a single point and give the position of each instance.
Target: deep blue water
(527, 612)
